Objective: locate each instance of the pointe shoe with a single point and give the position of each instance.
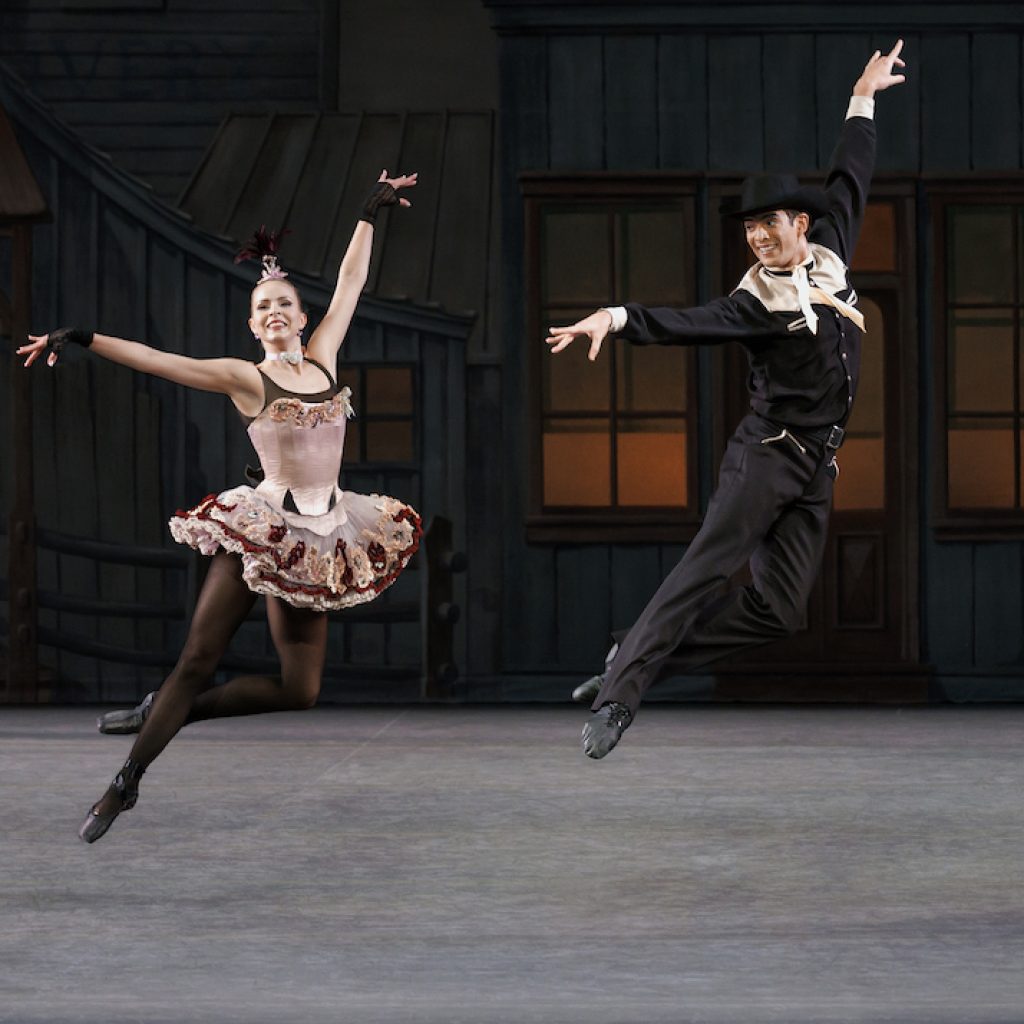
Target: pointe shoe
(605, 728)
(126, 785)
(588, 690)
(119, 723)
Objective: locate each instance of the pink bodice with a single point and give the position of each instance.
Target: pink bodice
(300, 446)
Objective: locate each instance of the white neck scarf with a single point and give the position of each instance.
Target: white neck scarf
(803, 295)
(772, 288)
(292, 358)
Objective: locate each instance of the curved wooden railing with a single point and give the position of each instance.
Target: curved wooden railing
(435, 612)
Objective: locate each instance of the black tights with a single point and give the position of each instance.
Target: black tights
(188, 695)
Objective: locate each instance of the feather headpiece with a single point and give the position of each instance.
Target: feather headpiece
(263, 246)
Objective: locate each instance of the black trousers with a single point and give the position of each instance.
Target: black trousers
(770, 509)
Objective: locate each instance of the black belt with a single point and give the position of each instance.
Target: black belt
(830, 438)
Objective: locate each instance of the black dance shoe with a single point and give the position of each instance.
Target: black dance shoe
(119, 723)
(605, 728)
(126, 786)
(590, 688)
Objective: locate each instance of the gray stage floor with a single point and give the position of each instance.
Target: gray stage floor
(466, 866)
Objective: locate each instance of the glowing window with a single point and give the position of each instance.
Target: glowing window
(616, 435)
(984, 264)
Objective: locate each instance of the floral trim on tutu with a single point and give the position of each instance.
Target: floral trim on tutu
(297, 413)
(350, 566)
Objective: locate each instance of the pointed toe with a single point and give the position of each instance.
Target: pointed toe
(120, 723)
(125, 790)
(95, 825)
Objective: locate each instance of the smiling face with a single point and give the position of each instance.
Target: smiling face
(778, 240)
(276, 315)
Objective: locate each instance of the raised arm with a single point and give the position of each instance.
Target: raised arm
(853, 161)
(877, 75)
(236, 378)
(327, 338)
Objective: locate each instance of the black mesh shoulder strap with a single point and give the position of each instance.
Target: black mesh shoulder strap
(272, 391)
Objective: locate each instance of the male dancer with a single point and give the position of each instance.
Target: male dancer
(796, 314)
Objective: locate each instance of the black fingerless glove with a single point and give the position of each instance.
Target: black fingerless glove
(57, 339)
(382, 194)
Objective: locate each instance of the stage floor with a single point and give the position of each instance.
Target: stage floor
(468, 865)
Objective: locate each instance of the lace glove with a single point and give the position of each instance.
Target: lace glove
(382, 194)
(57, 339)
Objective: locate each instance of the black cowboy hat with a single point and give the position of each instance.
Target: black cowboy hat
(763, 192)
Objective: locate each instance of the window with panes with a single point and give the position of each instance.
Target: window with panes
(980, 305)
(381, 435)
(614, 439)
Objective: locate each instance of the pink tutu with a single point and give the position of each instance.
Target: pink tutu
(345, 557)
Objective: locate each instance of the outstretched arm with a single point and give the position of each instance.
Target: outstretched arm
(595, 328)
(327, 338)
(236, 378)
(733, 317)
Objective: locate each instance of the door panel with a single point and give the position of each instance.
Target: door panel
(859, 618)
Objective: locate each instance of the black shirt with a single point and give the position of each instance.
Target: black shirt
(797, 378)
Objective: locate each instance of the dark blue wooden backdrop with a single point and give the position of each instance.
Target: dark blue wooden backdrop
(708, 89)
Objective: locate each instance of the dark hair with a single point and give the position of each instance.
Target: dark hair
(793, 214)
(264, 246)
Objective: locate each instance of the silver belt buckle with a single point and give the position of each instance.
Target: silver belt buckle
(835, 438)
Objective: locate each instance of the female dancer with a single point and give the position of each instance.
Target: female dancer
(296, 538)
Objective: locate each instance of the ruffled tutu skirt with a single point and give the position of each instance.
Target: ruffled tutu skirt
(345, 557)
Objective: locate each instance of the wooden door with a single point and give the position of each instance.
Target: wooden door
(860, 636)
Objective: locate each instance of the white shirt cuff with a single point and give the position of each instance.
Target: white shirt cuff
(618, 315)
(861, 106)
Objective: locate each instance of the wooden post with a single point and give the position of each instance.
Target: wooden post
(440, 613)
(23, 651)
